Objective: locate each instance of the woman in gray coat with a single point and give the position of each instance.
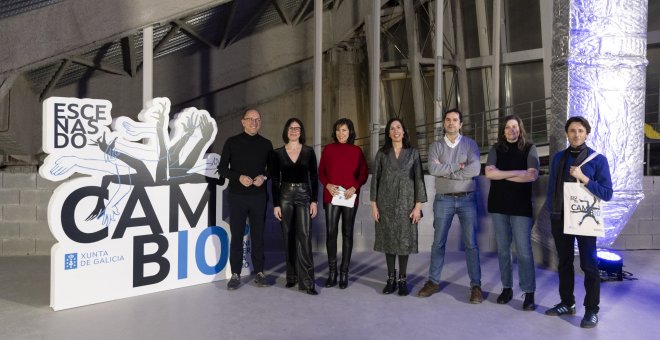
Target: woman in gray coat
(397, 194)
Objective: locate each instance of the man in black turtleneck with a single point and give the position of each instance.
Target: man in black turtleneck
(595, 175)
(244, 162)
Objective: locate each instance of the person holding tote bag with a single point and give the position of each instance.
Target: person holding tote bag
(595, 175)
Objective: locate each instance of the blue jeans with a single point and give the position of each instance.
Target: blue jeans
(520, 229)
(444, 209)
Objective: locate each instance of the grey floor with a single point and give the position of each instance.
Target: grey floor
(629, 309)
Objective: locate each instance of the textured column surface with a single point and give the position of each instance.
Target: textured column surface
(599, 73)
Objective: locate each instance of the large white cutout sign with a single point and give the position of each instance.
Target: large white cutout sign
(144, 213)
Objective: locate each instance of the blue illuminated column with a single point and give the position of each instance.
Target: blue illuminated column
(599, 73)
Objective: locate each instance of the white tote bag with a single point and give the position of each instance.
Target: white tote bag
(583, 214)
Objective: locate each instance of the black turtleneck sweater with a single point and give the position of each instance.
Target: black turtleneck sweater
(245, 155)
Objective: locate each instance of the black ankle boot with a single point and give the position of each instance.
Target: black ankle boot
(343, 280)
(403, 285)
(332, 279)
(390, 286)
(529, 304)
(332, 276)
(505, 296)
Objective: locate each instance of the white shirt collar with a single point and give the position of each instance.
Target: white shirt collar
(454, 144)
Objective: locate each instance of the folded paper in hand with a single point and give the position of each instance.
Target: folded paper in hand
(341, 200)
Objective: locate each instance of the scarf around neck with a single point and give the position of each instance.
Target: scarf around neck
(580, 154)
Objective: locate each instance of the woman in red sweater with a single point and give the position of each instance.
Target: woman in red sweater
(342, 171)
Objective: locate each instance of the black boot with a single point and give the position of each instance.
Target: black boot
(343, 280)
(403, 285)
(529, 304)
(390, 286)
(505, 296)
(332, 276)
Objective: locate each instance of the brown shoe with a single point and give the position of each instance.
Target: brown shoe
(475, 295)
(429, 289)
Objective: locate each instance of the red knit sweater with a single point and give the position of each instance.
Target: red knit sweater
(342, 164)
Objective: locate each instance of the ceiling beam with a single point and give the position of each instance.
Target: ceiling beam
(251, 22)
(85, 25)
(129, 55)
(174, 29)
(190, 31)
(280, 11)
(56, 78)
(326, 3)
(301, 11)
(225, 35)
(98, 66)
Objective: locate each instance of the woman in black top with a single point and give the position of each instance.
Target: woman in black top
(512, 166)
(295, 192)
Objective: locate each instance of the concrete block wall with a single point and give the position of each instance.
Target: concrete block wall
(23, 226)
(24, 229)
(643, 229)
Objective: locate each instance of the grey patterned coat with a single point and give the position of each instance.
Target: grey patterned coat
(396, 185)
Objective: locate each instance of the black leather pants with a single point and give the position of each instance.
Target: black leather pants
(297, 231)
(332, 214)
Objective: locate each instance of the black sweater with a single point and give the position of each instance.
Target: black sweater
(245, 155)
(506, 197)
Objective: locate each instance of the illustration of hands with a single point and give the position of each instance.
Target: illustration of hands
(98, 210)
(63, 166)
(108, 149)
(105, 215)
(138, 130)
(159, 111)
(190, 125)
(206, 128)
(109, 215)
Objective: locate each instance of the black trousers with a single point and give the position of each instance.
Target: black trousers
(297, 232)
(588, 263)
(332, 214)
(240, 208)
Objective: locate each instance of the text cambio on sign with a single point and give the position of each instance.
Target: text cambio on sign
(146, 216)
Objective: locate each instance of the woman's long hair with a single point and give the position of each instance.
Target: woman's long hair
(388, 141)
(523, 141)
